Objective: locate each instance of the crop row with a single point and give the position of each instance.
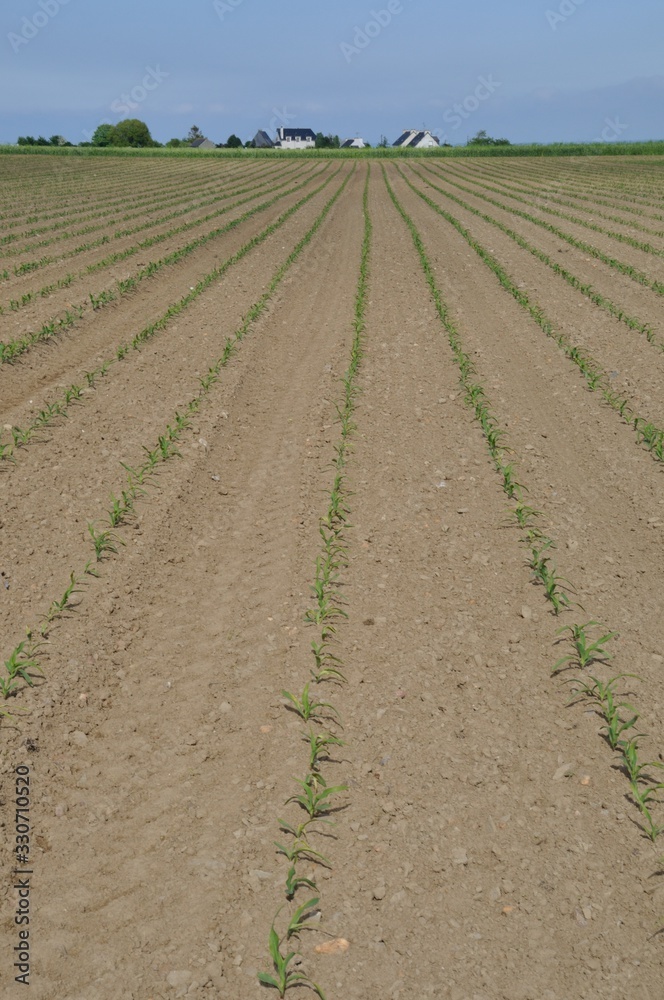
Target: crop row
(10, 351)
(592, 184)
(56, 409)
(586, 289)
(607, 189)
(117, 186)
(46, 290)
(548, 196)
(24, 660)
(596, 377)
(575, 219)
(314, 796)
(105, 206)
(619, 717)
(636, 275)
(27, 266)
(196, 197)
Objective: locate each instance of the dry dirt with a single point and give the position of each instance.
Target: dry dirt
(486, 846)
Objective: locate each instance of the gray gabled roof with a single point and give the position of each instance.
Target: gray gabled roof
(262, 140)
(402, 138)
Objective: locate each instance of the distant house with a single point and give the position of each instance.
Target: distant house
(262, 140)
(356, 143)
(202, 144)
(295, 138)
(415, 139)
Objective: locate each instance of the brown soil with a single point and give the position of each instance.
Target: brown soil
(486, 847)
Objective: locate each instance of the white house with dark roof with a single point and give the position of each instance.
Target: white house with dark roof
(356, 143)
(414, 138)
(295, 138)
(202, 144)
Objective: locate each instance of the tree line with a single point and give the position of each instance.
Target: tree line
(135, 134)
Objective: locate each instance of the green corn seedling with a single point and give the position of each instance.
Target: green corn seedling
(58, 607)
(21, 660)
(525, 514)
(314, 799)
(72, 393)
(20, 437)
(7, 687)
(635, 768)
(319, 744)
(295, 882)
(327, 664)
(284, 978)
(644, 797)
(325, 610)
(308, 707)
(298, 832)
(587, 652)
(603, 693)
(298, 921)
(300, 850)
(103, 541)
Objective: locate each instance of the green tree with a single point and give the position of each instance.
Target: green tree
(103, 135)
(131, 132)
(234, 142)
(483, 139)
(327, 141)
(383, 142)
(194, 134)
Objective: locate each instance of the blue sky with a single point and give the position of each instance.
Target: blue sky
(529, 70)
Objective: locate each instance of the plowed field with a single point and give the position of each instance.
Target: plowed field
(332, 516)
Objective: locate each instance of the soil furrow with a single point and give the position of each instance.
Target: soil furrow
(604, 509)
(99, 332)
(635, 368)
(252, 537)
(45, 517)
